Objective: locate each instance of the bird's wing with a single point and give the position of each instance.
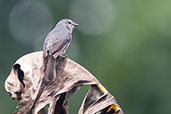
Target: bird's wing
(50, 46)
(59, 46)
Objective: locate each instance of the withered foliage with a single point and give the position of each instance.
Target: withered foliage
(54, 86)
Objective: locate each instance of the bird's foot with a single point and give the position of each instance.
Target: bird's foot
(64, 55)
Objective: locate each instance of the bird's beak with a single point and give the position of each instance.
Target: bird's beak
(75, 24)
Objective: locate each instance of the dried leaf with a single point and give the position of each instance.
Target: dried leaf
(67, 78)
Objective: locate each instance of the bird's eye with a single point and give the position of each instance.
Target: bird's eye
(69, 22)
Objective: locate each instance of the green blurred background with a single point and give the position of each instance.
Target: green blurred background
(126, 44)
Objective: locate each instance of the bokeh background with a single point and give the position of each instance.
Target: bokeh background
(126, 44)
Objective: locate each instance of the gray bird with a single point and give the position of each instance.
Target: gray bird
(58, 40)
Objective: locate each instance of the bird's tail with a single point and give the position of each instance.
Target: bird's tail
(49, 67)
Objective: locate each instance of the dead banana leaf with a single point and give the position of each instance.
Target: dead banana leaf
(68, 77)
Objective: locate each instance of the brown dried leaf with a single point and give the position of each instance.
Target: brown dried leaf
(68, 77)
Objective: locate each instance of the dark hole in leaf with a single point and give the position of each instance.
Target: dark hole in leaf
(18, 95)
(20, 73)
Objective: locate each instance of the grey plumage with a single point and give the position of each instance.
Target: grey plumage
(58, 40)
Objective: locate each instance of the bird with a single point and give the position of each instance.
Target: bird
(55, 44)
(59, 38)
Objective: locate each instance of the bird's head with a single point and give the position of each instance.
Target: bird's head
(68, 23)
